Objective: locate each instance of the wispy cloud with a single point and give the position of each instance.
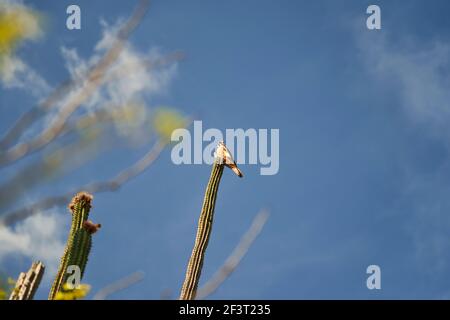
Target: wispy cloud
(419, 71)
(129, 79)
(15, 73)
(40, 237)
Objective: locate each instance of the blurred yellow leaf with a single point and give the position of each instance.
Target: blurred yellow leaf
(6, 287)
(166, 120)
(17, 23)
(72, 294)
(129, 118)
(11, 281)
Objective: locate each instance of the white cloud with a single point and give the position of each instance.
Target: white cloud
(420, 72)
(39, 237)
(74, 64)
(128, 80)
(17, 74)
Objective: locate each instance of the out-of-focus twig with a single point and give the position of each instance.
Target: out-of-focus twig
(89, 133)
(94, 79)
(236, 256)
(119, 285)
(26, 119)
(27, 283)
(96, 187)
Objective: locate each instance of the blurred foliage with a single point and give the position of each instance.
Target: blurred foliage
(6, 287)
(17, 23)
(86, 137)
(129, 119)
(166, 120)
(73, 294)
(82, 135)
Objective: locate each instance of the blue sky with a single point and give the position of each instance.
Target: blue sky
(364, 147)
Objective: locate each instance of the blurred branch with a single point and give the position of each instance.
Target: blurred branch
(94, 79)
(119, 285)
(129, 113)
(86, 136)
(27, 283)
(96, 187)
(31, 115)
(236, 256)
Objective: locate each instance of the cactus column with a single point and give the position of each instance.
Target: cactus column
(28, 282)
(222, 158)
(78, 243)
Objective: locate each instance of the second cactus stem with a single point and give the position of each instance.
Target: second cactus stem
(28, 282)
(78, 243)
(222, 158)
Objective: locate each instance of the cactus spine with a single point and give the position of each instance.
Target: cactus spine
(222, 158)
(78, 243)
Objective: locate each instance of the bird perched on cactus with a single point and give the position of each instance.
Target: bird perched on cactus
(222, 158)
(223, 155)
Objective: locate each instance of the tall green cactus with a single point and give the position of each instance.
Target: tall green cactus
(194, 269)
(78, 243)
